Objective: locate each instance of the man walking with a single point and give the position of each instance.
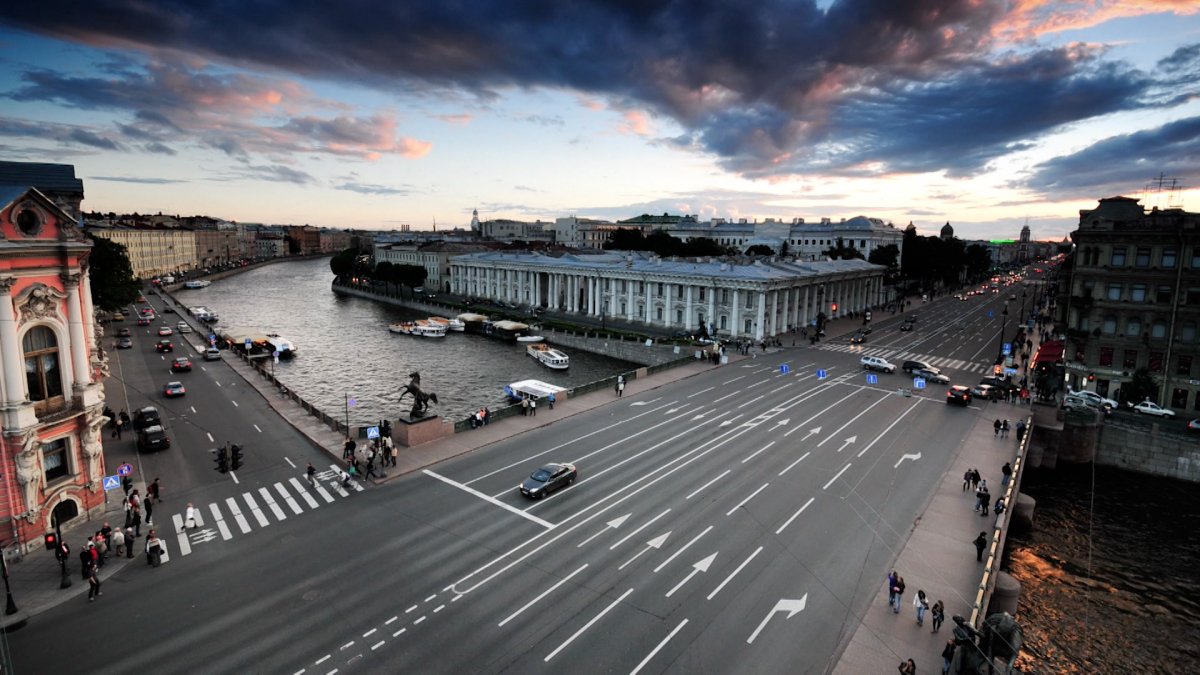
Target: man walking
(1007, 471)
(966, 480)
(189, 520)
(984, 500)
(149, 511)
(348, 449)
(311, 473)
(93, 585)
(153, 491)
(980, 544)
(533, 407)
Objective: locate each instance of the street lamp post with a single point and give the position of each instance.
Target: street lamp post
(1023, 305)
(62, 559)
(1003, 325)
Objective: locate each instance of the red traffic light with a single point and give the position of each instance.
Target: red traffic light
(51, 541)
(1091, 378)
(834, 306)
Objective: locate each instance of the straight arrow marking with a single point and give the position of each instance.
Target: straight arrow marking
(792, 607)
(848, 441)
(646, 402)
(656, 542)
(685, 547)
(699, 567)
(611, 525)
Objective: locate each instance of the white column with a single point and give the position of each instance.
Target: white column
(670, 291)
(629, 292)
(79, 352)
(89, 313)
(806, 315)
(14, 369)
(775, 312)
(712, 305)
(687, 309)
(762, 309)
(733, 318)
(593, 296)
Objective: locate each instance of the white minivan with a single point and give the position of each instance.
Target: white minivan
(876, 363)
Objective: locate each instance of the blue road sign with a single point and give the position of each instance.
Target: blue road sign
(918, 383)
(275, 354)
(372, 432)
(784, 369)
(248, 343)
(991, 314)
(1007, 348)
(352, 402)
(212, 337)
(112, 482)
(820, 374)
(124, 470)
(1010, 371)
(872, 378)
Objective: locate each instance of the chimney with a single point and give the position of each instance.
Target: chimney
(724, 267)
(658, 262)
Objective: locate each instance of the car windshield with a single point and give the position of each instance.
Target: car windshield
(542, 475)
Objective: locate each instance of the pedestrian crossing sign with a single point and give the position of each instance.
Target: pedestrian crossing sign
(784, 369)
(918, 383)
(872, 378)
(820, 374)
(372, 432)
(112, 482)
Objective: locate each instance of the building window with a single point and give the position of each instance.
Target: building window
(1138, 293)
(1196, 257)
(1164, 294)
(1168, 258)
(701, 319)
(623, 307)
(1193, 295)
(1118, 256)
(660, 313)
(862, 243)
(1084, 323)
(702, 289)
(724, 322)
(660, 289)
(1134, 327)
(1155, 364)
(1106, 356)
(1130, 360)
(678, 291)
(641, 311)
(54, 459)
(679, 316)
(1087, 288)
(1159, 329)
(42, 375)
(641, 287)
(1110, 325)
(1143, 258)
(724, 297)
(749, 326)
(1114, 291)
(1188, 332)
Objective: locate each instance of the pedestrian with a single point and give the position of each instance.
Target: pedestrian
(1000, 507)
(101, 549)
(85, 559)
(135, 500)
(947, 656)
(107, 533)
(153, 549)
(533, 407)
(348, 448)
(922, 605)
(393, 452)
(311, 473)
(136, 522)
(974, 478)
(524, 407)
(129, 542)
(127, 484)
(984, 501)
(899, 588)
(1021, 423)
(891, 584)
(118, 540)
(371, 467)
(346, 480)
(996, 428)
(550, 398)
(1004, 429)
(189, 520)
(939, 615)
(980, 544)
(1007, 471)
(908, 668)
(983, 490)
(966, 480)
(149, 511)
(124, 418)
(153, 491)
(117, 428)
(93, 586)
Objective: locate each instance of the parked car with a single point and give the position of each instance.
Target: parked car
(548, 478)
(958, 395)
(1148, 408)
(212, 354)
(876, 363)
(1074, 402)
(144, 417)
(1097, 399)
(153, 438)
(984, 391)
(183, 327)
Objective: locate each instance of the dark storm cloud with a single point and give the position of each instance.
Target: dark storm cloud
(1124, 164)
(860, 87)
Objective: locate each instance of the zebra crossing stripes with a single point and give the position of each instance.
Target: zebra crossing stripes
(938, 361)
(312, 503)
(287, 497)
(237, 515)
(262, 518)
(266, 495)
(220, 521)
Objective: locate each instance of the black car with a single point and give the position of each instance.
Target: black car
(913, 366)
(547, 479)
(165, 346)
(181, 365)
(169, 309)
(906, 327)
(146, 417)
(124, 332)
(932, 375)
(958, 395)
(858, 339)
(124, 343)
(997, 383)
(153, 438)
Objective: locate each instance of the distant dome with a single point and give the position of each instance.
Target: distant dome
(947, 231)
(911, 228)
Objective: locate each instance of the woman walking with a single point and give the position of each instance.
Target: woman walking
(939, 615)
(921, 604)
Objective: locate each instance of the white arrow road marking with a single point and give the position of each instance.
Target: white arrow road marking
(904, 457)
(848, 441)
(656, 542)
(587, 625)
(782, 422)
(612, 524)
(546, 592)
(645, 402)
(654, 651)
(674, 410)
(730, 421)
(634, 533)
(685, 547)
(792, 607)
(811, 433)
(734, 573)
(699, 567)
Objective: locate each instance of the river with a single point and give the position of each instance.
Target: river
(1138, 609)
(345, 351)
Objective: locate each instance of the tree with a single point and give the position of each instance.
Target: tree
(889, 257)
(704, 246)
(383, 272)
(625, 239)
(978, 261)
(760, 249)
(342, 264)
(842, 252)
(113, 283)
(1141, 386)
(412, 276)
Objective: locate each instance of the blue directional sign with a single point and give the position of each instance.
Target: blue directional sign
(372, 432)
(112, 482)
(991, 314)
(1007, 348)
(784, 369)
(248, 343)
(820, 374)
(1010, 371)
(872, 378)
(212, 337)
(124, 469)
(352, 402)
(918, 383)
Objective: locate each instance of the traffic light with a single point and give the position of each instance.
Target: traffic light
(833, 307)
(236, 457)
(222, 460)
(51, 541)
(1091, 378)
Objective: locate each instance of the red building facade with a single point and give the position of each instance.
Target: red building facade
(51, 372)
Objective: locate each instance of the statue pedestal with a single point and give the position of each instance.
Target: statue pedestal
(410, 431)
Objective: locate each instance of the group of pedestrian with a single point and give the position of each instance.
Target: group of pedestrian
(529, 404)
(118, 422)
(481, 417)
(1001, 428)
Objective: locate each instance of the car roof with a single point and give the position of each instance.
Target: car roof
(148, 409)
(154, 428)
(959, 387)
(550, 467)
(174, 384)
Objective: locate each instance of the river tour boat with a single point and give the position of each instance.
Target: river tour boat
(531, 389)
(201, 283)
(509, 330)
(285, 347)
(551, 358)
(475, 323)
(451, 324)
(419, 328)
(530, 338)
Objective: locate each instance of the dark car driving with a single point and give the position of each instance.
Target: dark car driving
(124, 332)
(913, 366)
(146, 417)
(958, 395)
(165, 346)
(547, 479)
(153, 438)
(124, 343)
(181, 365)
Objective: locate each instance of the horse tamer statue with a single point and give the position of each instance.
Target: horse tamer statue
(421, 398)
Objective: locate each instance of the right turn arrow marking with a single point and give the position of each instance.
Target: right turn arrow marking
(792, 607)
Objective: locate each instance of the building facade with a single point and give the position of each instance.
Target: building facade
(57, 182)
(154, 250)
(804, 240)
(1132, 300)
(732, 298)
(306, 238)
(269, 245)
(51, 389)
(434, 257)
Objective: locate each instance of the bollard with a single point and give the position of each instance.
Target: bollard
(1005, 594)
(1022, 511)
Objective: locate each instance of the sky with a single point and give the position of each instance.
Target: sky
(983, 113)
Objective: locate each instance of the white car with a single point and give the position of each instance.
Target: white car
(1148, 408)
(876, 363)
(1099, 400)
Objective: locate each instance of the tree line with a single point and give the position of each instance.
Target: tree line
(349, 263)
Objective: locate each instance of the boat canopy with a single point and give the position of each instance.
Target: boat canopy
(238, 335)
(509, 325)
(531, 388)
(468, 317)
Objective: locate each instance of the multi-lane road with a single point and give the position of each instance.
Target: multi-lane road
(737, 521)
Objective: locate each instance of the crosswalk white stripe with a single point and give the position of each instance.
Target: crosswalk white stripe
(337, 487)
(237, 515)
(178, 520)
(312, 503)
(199, 518)
(287, 496)
(262, 518)
(185, 547)
(165, 557)
(324, 495)
(220, 520)
(338, 471)
(266, 495)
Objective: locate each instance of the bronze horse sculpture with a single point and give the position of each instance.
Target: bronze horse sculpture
(421, 398)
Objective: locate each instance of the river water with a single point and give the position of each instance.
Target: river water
(344, 348)
(1138, 609)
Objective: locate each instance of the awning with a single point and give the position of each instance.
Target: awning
(1049, 352)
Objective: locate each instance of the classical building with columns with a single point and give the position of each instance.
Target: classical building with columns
(736, 298)
(51, 388)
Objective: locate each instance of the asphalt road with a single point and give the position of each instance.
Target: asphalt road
(735, 522)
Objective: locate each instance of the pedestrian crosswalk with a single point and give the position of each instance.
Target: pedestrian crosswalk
(900, 355)
(281, 500)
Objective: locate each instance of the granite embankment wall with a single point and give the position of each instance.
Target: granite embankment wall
(1147, 451)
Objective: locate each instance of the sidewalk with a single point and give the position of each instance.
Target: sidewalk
(938, 558)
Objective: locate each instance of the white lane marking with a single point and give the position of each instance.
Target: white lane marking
(312, 503)
(257, 429)
(431, 597)
(735, 393)
(889, 428)
(783, 387)
(477, 493)
(378, 645)
(439, 608)
(758, 451)
(237, 515)
(210, 438)
(837, 476)
(185, 547)
(701, 392)
(266, 495)
(323, 659)
(178, 520)
(789, 520)
(234, 403)
(324, 494)
(644, 526)
(733, 380)
(654, 651)
(610, 525)
(803, 424)
(750, 401)
(544, 593)
(218, 383)
(697, 568)
(348, 645)
(789, 466)
(743, 502)
(701, 488)
(654, 543)
(419, 620)
(289, 462)
(734, 573)
(410, 609)
(390, 621)
(839, 429)
(587, 625)
(287, 496)
(397, 633)
(235, 478)
(220, 520)
(685, 547)
(368, 633)
(193, 408)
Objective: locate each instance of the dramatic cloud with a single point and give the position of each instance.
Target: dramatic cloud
(62, 133)
(275, 173)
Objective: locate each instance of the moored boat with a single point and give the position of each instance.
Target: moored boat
(197, 284)
(419, 328)
(531, 389)
(530, 338)
(509, 330)
(551, 358)
(475, 323)
(455, 325)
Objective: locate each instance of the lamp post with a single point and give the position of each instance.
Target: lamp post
(62, 558)
(1003, 324)
(1023, 305)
